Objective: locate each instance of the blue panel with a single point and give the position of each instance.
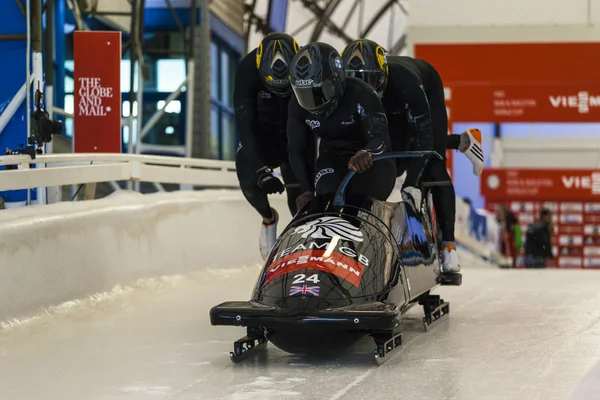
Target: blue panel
(465, 183)
(12, 20)
(277, 15)
(226, 34)
(12, 77)
(161, 19)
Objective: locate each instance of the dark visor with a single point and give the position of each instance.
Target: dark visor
(373, 78)
(314, 97)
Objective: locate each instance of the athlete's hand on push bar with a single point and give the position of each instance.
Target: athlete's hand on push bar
(361, 161)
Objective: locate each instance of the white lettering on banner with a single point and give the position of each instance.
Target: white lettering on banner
(361, 258)
(91, 93)
(306, 259)
(583, 182)
(582, 101)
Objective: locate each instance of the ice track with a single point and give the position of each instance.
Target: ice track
(511, 335)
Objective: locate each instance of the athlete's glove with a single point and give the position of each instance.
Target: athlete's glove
(412, 196)
(361, 161)
(269, 182)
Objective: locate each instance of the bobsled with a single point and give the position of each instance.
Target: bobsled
(341, 270)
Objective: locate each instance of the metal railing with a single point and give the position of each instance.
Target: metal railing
(73, 169)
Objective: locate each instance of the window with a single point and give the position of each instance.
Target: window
(214, 132)
(223, 63)
(170, 73)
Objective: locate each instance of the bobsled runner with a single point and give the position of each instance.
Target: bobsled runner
(341, 270)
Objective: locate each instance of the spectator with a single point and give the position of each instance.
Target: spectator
(510, 235)
(538, 244)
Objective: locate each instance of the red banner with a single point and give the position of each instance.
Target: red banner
(519, 82)
(542, 184)
(526, 103)
(97, 75)
(335, 263)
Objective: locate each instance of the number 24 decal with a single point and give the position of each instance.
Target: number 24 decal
(301, 278)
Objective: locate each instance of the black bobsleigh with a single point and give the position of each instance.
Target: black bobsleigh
(342, 270)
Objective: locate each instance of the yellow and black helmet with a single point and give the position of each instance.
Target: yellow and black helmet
(366, 60)
(273, 57)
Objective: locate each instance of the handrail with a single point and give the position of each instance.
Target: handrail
(340, 196)
(114, 157)
(73, 169)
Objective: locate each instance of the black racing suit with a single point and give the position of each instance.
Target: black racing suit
(416, 111)
(358, 123)
(261, 121)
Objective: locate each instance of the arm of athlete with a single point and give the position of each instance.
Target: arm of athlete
(375, 128)
(298, 135)
(246, 89)
(421, 129)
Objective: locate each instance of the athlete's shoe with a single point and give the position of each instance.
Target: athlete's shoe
(450, 260)
(471, 147)
(268, 236)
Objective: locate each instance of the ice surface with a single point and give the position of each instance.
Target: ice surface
(511, 334)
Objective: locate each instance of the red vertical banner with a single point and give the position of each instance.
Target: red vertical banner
(97, 76)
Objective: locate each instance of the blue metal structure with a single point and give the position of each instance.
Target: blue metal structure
(12, 78)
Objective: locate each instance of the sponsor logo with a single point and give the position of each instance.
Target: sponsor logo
(521, 207)
(323, 172)
(571, 207)
(591, 229)
(592, 207)
(571, 218)
(349, 121)
(312, 124)
(583, 182)
(570, 240)
(526, 218)
(591, 251)
(304, 82)
(337, 264)
(591, 262)
(328, 228)
(360, 110)
(582, 101)
(264, 95)
(493, 182)
(569, 262)
(551, 206)
(324, 246)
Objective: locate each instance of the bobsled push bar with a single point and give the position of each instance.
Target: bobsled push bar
(339, 200)
(340, 196)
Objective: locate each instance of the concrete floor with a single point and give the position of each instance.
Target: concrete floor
(511, 334)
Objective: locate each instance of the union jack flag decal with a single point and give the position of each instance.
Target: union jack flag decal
(310, 290)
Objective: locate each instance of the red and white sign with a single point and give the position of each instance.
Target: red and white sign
(338, 264)
(97, 76)
(543, 184)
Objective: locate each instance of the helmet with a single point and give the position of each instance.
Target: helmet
(318, 79)
(273, 57)
(366, 60)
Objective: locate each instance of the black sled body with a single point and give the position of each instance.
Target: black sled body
(339, 272)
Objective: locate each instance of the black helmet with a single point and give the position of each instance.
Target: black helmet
(273, 57)
(318, 78)
(366, 60)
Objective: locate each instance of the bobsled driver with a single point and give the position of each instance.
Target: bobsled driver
(412, 94)
(261, 95)
(348, 117)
